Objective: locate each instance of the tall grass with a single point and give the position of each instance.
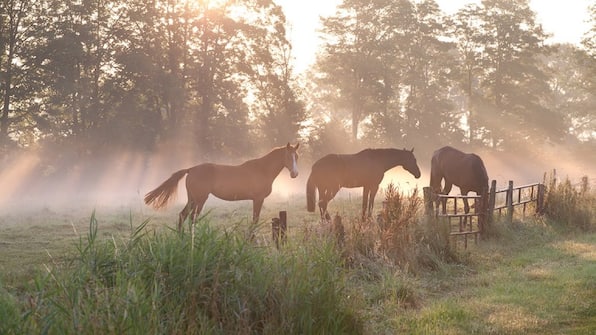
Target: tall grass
(396, 274)
(572, 206)
(402, 235)
(204, 282)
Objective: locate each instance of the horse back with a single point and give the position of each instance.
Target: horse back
(227, 182)
(347, 170)
(465, 170)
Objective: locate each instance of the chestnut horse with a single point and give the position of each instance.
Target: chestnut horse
(463, 170)
(363, 169)
(250, 180)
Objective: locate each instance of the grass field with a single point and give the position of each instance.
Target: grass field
(532, 277)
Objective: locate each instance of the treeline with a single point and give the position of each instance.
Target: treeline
(217, 77)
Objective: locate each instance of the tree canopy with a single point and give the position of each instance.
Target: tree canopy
(217, 77)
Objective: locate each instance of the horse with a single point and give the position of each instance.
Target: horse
(363, 169)
(464, 170)
(251, 180)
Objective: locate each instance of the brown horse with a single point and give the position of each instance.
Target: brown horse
(250, 180)
(363, 169)
(464, 170)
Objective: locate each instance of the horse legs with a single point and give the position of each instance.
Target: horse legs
(371, 202)
(368, 200)
(447, 188)
(365, 194)
(325, 195)
(257, 204)
(445, 191)
(466, 207)
(323, 202)
(193, 208)
(184, 214)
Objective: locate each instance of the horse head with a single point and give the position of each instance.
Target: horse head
(410, 164)
(291, 159)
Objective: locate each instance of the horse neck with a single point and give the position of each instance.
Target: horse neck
(272, 163)
(392, 158)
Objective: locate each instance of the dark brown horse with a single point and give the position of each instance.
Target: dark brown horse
(364, 169)
(463, 170)
(250, 180)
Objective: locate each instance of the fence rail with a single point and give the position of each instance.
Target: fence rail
(515, 196)
(446, 207)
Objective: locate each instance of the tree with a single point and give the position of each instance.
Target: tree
(515, 84)
(390, 64)
(151, 85)
(13, 36)
(351, 60)
(467, 30)
(573, 99)
(430, 65)
(75, 54)
(278, 106)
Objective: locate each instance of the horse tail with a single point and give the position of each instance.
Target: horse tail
(159, 197)
(311, 195)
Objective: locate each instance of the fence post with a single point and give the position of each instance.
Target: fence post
(492, 194)
(428, 201)
(540, 199)
(275, 231)
(338, 230)
(283, 225)
(278, 228)
(510, 202)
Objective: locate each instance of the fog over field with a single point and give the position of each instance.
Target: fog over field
(122, 179)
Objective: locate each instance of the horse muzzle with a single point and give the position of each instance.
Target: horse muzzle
(293, 174)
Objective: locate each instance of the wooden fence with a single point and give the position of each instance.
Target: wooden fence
(279, 226)
(449, 209)
(512, 197)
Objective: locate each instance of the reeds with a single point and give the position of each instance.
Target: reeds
(208, 282)
(401, 235)
(569, 205)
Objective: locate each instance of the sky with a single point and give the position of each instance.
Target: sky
(566, 20)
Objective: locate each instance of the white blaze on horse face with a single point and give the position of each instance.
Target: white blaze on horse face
(294, 171)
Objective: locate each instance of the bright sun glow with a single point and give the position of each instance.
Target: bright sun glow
(130, 175)
(567, 21)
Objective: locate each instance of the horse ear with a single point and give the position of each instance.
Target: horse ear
(297, 145)
(288, 146)
(412, 151)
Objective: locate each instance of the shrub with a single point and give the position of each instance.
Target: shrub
(401, 235)
(9, 313)
(570, 205)
(202, 282)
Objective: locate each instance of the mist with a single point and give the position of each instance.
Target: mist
(31, 180)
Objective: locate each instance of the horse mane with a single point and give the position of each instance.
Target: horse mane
(270, 153)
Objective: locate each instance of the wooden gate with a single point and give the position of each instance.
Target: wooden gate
(506, 199)
(449, 210)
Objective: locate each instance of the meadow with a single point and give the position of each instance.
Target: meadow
(127, 271)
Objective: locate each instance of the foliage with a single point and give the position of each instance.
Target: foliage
(178, 283)
(9, 313)
(569, 205)
(402, 235)
(398, 216)
(572, 89)
(126, 279)
(136, 72)
(138, 75)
